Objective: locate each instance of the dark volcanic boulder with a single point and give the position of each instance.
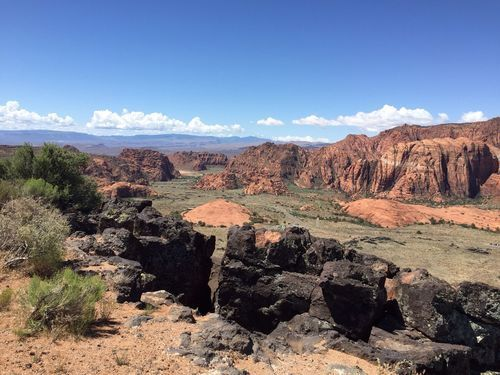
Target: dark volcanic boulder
(427, 304)
(303, 291)
(259, 287)
(168, 248)
(480, 301)
(465, 316)
(354, 297)
(408, 353)
(119, 242)
(181, 264)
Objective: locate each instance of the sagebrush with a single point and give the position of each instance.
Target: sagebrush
(64, 303)
(5, 298)
(32, 234)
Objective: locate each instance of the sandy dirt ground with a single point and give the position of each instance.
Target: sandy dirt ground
(391, 214)
(112, 348)
(218, 212)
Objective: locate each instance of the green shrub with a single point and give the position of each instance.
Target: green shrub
(5, 298)
(4, 169)
(59, 167)
(32, 233)
(21, 164)
(63, 168)
(39, 188)
(8, 191)
(63, 303)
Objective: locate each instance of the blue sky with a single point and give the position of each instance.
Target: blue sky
(319, 69)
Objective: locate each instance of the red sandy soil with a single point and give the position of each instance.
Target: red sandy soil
(391, 214)
(217, 213)
(115, 349)
(266, 237)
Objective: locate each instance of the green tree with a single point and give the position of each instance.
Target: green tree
(62, 169)
(54, 173)
(21, 164)
(5, 169)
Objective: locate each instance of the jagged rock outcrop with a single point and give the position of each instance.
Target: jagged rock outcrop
(299, 288)
(410, 161)
(264, 168)
(148, 252)
(260, 287)
(127, 190)
(197, 161)
(220, 181)
(491, 188)
(132, 165)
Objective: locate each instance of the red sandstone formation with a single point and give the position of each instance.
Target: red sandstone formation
(260, 169)
(127, 190)
(129, 174)
(132, 165)
(436, 162)
(197, 161)
(153, 164)
(220, 181)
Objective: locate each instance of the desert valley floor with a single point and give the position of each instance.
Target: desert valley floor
(453, 252)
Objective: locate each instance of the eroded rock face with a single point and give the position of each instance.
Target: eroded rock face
(177, 257)
(127, 190)
(220, 181)
(260, 169)
(197, 161)
(137, 166)
(436, 162)
(491, 188)
(434, 168)
(153, 164)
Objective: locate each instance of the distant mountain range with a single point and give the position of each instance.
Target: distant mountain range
(112, 145)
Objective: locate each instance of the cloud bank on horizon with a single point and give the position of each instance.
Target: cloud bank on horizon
(384, 118)
(14, 117)
(158, 122)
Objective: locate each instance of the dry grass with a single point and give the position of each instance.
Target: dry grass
(444, 249)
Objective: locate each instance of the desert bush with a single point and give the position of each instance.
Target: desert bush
(4, 169)
(40, 188)
(5, 298)
(21, 164)
(8, 191)
(32, 233)
(60, 168)
(64, 303)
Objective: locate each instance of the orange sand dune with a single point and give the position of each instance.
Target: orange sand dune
(391, 214)
(218, 212)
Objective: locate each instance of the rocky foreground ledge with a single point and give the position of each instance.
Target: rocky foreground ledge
(290, 292)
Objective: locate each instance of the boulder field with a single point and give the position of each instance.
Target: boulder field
(288, 291)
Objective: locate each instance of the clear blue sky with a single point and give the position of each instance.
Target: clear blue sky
(237, 62)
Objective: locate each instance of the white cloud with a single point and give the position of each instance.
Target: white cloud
(384, 118)
(14, 117)
(316, 121)
(270, 122)
(473, 116)
(443, 117)
(140, 121)
(308, 138)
